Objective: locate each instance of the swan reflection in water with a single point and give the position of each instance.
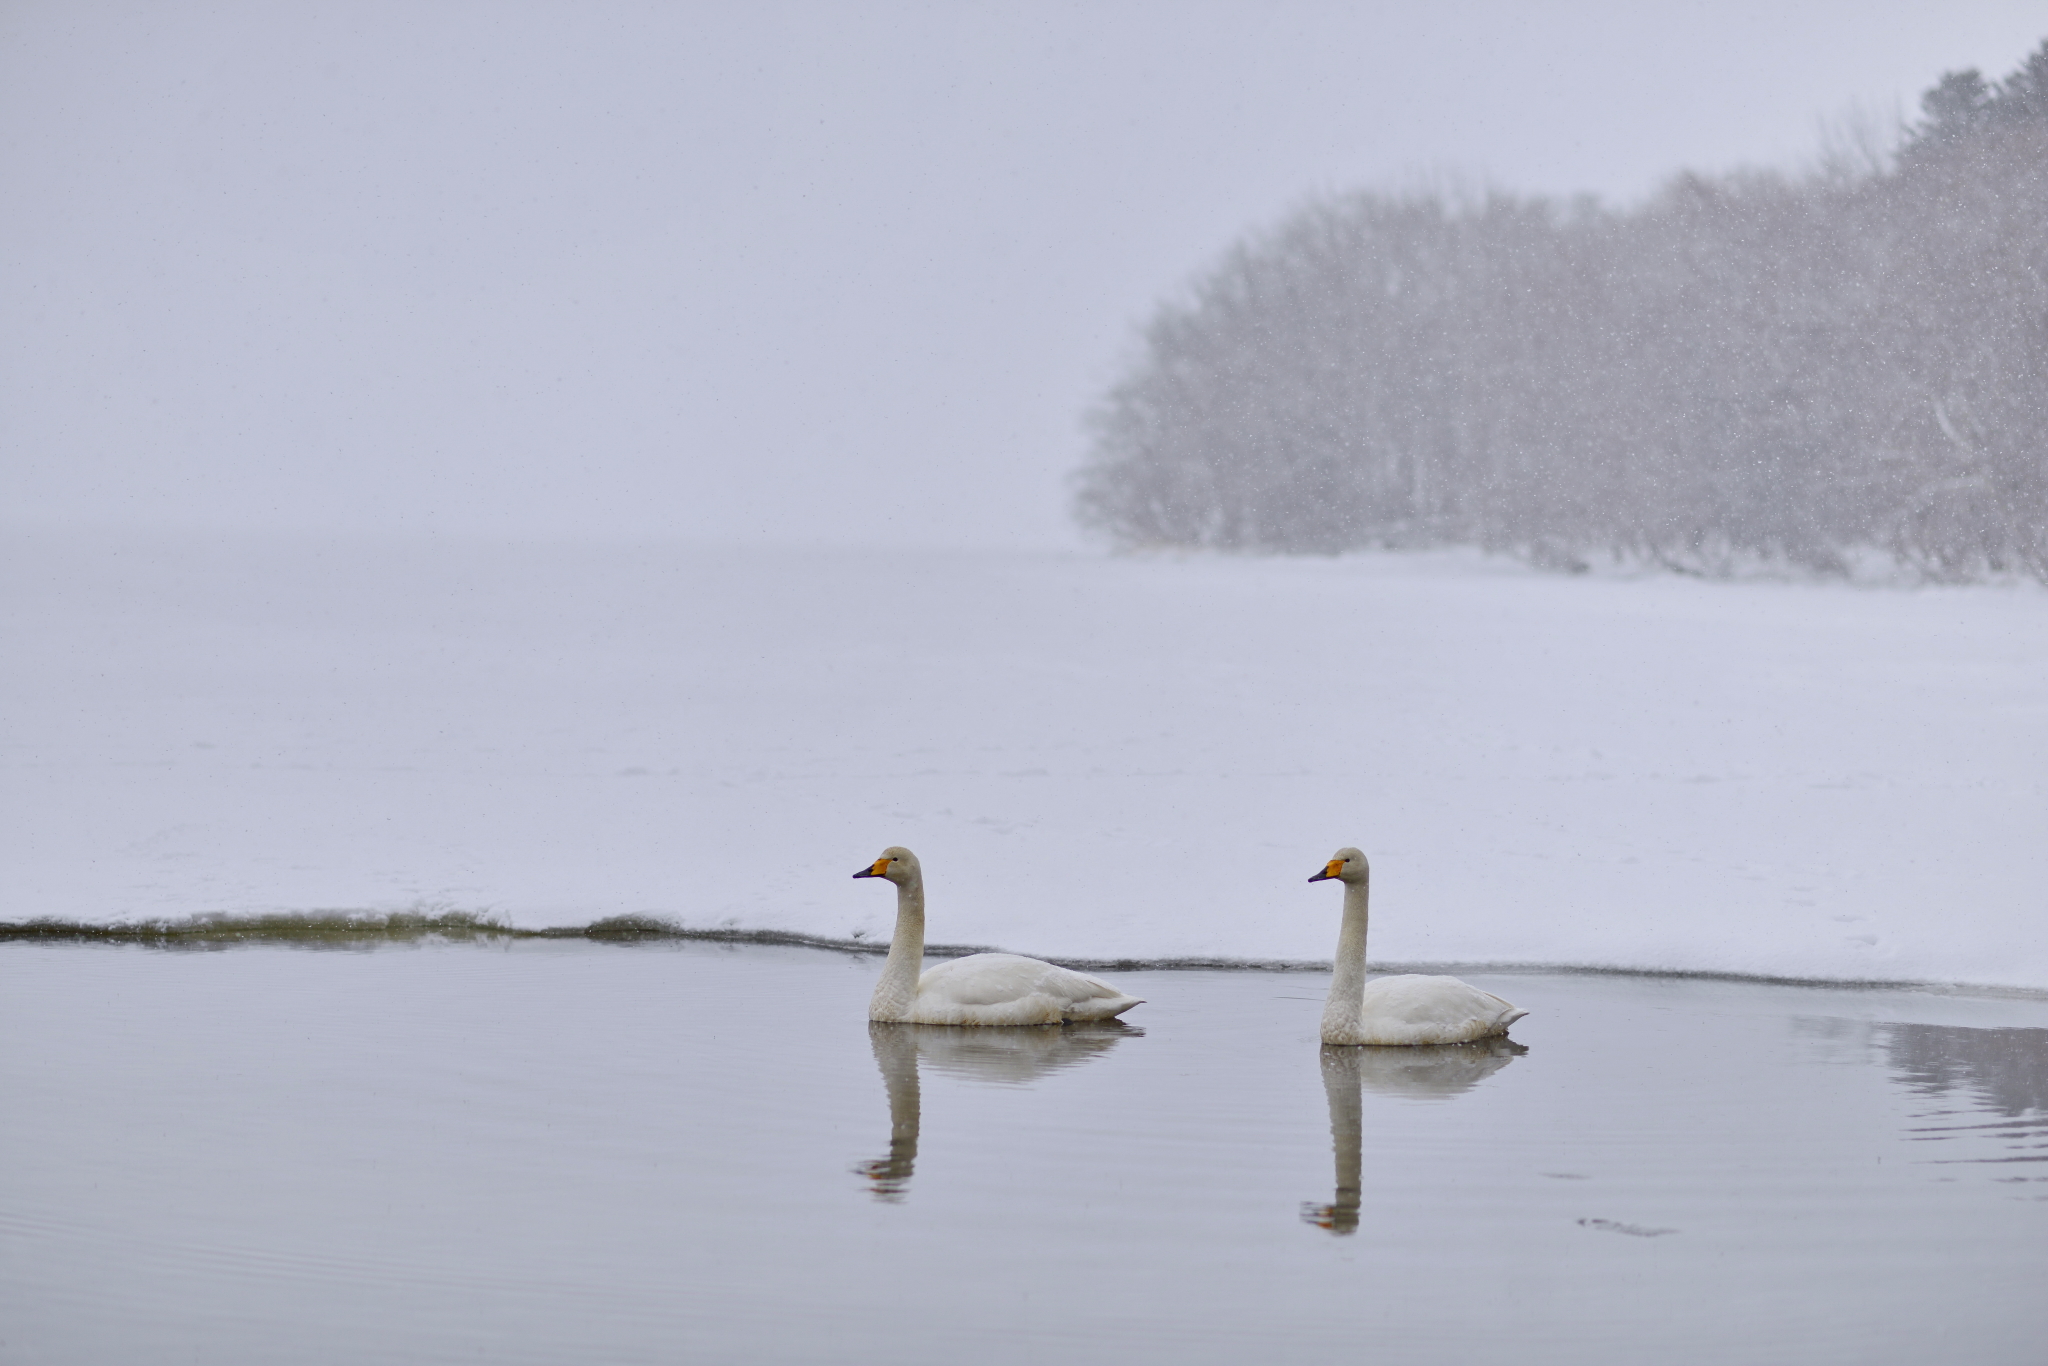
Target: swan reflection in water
(1012, 1056)
(1425, 1072)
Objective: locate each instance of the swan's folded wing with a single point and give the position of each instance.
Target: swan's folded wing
(1078, 986)
(995, 979)
(1085, 997)
(1429, 1009)
(987, 979)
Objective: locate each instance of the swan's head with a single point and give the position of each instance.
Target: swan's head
(1346, 865)
(896, 863)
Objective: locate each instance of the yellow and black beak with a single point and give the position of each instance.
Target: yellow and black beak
(881, 866)
(1330, 870)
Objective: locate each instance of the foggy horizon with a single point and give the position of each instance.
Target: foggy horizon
(782, 276)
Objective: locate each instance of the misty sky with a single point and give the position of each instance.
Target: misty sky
(823, 273)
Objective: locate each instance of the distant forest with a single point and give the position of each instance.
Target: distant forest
(1796, 369)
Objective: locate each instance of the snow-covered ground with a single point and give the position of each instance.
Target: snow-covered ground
(1093, 756)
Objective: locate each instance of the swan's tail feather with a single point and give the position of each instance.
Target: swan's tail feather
(1101, 1008)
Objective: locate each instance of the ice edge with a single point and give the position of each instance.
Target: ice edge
(342, 928)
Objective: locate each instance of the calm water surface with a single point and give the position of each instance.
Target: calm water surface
(557, 1152)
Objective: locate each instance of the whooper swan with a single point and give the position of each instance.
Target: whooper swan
(1406, 1010)
(981, 989)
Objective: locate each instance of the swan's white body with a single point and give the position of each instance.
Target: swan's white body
(1407, 1010)
(1005, 989)
(981, 989)
(1413, 1009)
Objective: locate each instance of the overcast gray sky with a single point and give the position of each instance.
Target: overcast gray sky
(764, 272)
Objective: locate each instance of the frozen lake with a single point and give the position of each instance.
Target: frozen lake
(568, 1151)
(1095, 757)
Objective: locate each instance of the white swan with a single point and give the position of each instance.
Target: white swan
(1409, 1009)
(981, 989)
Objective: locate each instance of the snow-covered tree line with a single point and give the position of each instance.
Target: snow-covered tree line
(1794, 368)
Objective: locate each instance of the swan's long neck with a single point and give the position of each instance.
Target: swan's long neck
(1347, 983)
(905, 963)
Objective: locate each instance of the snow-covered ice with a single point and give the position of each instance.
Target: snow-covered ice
(1094, 757)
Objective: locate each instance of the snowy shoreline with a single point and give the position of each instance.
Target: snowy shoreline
(1100, 759)
(215, 932)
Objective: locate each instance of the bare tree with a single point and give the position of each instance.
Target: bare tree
(1749, 366)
